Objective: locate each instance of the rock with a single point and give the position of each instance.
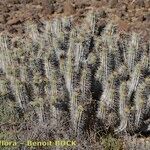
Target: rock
(13, 21)
(69, 9)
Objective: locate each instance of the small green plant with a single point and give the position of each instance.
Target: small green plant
(111, 143)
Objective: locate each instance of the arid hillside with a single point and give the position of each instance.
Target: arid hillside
(129, 14)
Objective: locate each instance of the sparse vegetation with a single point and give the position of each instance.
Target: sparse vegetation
(64, 81)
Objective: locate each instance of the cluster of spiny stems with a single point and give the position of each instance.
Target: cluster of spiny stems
(70, 76)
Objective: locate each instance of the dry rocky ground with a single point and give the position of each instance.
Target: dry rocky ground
(129, 14)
